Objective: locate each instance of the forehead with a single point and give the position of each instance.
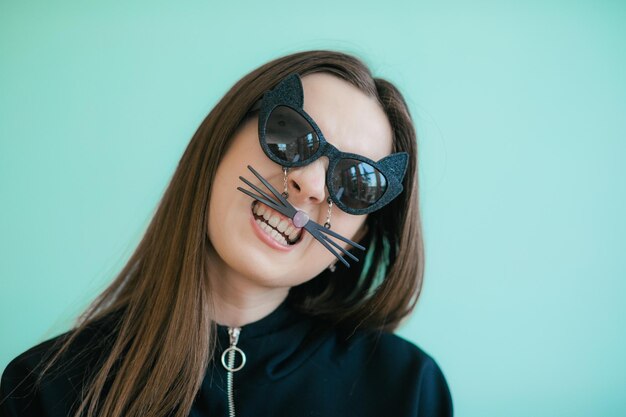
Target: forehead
(347, 117)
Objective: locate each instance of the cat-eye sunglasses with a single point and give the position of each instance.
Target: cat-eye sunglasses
(291, 138)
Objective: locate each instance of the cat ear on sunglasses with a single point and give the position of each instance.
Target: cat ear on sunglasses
(289, 91)
(394, 166)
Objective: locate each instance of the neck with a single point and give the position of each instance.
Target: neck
(236, 308)
(237, 300)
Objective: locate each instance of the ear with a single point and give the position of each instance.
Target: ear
(289, 90)
(395, 163)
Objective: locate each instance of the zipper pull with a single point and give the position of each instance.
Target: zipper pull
(233, 334)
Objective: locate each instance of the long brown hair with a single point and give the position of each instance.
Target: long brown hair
(162, 295)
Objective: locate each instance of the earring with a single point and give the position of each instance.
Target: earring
(330, 207)
(332, 266)
(285, 193)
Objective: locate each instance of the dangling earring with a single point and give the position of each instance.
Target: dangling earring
(330, 208)
(285, 193)
(332, 266)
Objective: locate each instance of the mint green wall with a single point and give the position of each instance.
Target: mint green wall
(521, 120)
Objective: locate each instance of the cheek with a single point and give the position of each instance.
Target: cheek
(215, 229)
(347, 225)
(226, 205)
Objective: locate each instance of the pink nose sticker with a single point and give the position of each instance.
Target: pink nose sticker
(300, 219)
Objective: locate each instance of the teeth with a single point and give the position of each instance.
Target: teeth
(278, 237)
(274, 220)
(282, 225)
(294, 235)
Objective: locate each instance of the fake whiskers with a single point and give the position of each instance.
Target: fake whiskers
(299, 218)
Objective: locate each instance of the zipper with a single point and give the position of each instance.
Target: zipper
(233, 334)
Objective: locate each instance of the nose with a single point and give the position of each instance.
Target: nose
(307, 185)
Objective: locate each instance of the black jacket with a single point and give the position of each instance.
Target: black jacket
(296, 366)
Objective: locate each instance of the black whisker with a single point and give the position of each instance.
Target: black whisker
(338, 236)
(315, 233)
(278, 195)
(341, 248)
(258, 190)
(261, 199)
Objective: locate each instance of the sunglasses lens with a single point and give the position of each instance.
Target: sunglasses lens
(357, 184)
(289, 136)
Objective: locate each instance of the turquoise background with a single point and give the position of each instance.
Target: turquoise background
(520, 111)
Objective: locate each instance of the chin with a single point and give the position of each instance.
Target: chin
(275, 278)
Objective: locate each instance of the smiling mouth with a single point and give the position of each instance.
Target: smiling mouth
(275, 225)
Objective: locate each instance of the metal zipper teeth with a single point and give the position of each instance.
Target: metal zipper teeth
(233, 334)
(229, 384)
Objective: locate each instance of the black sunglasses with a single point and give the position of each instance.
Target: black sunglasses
(290, 137)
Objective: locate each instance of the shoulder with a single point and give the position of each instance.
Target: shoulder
(20, 391)
(389, 348)
(388, 357)
(392, 349)
(93, 340)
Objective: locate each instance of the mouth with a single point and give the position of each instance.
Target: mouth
(275, 225)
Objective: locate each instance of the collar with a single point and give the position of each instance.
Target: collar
(280, 317)
(274, 346)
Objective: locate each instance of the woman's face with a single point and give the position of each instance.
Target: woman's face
(349, 120)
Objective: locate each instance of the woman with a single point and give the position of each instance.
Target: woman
(286, 248)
